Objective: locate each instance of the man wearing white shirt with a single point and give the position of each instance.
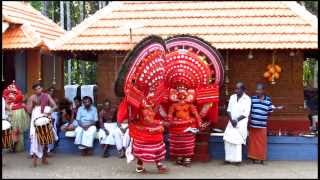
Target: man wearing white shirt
(87, 117)
(236, 131)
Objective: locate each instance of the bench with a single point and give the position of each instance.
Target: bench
(279, 148)
(66, 145)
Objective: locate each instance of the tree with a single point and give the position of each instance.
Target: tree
(81, 6)
(45, 7)
(68, 28)
(311, 6)
(62, 14)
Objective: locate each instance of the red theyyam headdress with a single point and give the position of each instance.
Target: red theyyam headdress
(181, 63)
(12, 88)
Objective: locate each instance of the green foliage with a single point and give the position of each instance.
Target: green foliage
(311, 6)
(89, 76)
(308, 71)
(37, 5)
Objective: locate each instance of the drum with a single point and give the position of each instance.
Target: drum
(7, 140)
(44, 130)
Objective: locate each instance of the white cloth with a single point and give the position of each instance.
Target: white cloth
(35, 147)
(85, 138)
(233, 152)
(126, 139)
(54, 116)
(4, 114)
(87, 90)
(129, 155)
(70, 91)
(238, 134)
(115, 137)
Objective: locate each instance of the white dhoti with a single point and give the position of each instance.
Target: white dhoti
(115, 137)
(233, 152)
(233, 140)
(85, 138)
(234, 137)
(35, 147)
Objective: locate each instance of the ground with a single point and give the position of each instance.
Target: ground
(73, 166)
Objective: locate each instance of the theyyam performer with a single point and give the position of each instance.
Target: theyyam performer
(193, 75)
(180, 78)
(139, 78)
(17, 115)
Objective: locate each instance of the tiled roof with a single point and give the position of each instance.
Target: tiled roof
(28, 28)
(225, 24)
(20, 37)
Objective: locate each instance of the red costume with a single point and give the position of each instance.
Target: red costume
(17, 114)
(182, 114)
(185, 74)
(13, 96)
(147, 134)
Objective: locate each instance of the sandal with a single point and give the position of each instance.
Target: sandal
(162, 168)
(140, 169)
(187, 162)
(179, 161)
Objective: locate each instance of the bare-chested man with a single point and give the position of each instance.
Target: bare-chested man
(111, 133)
(37, 105)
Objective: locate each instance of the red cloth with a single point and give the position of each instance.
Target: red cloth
(145, 135)
(257, 143)
(213, 113)
(182, 145)
(122, 113)
(149, 152)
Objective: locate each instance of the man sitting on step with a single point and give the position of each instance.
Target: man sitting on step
(111, 132)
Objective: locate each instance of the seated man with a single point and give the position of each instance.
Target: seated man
(70, 123)
(111, 133)
(85, 132)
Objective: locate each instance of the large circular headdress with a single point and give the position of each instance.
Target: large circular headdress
(142, 71)
(192, 62)
(165, 67)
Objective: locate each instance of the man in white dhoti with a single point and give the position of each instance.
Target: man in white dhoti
(236, 131)
(55, 118)
(40, 104)
(87, 116)
(111, 132)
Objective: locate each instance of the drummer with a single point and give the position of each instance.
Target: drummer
(37, 104)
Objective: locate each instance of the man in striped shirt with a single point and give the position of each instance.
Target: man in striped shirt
(261, 107)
